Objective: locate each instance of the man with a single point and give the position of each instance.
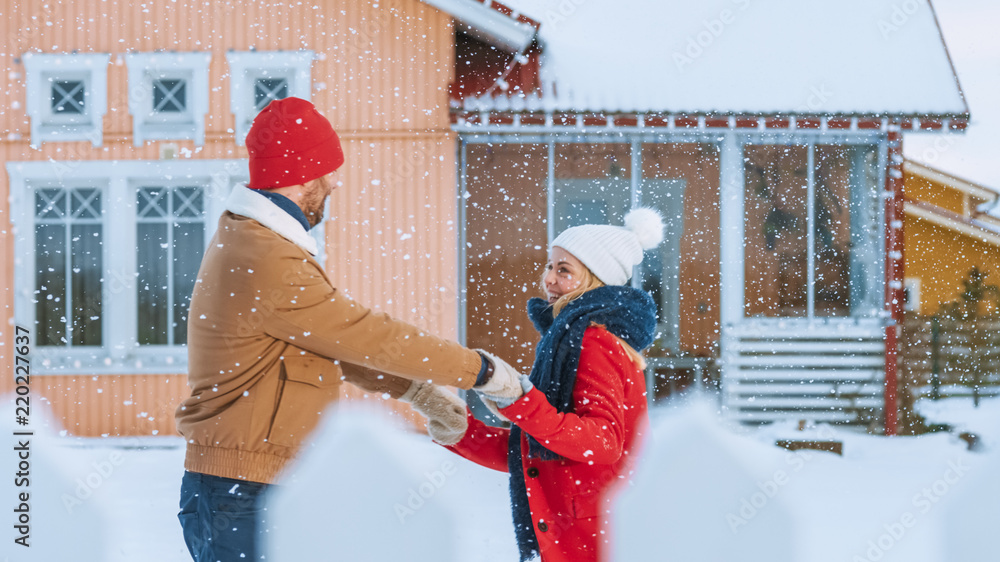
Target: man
(270, 339)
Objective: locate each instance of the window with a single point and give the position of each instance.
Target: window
(69, 97)
(259, 77)
(519, 196)
(117, 242)
(170, 238)
(168, 95)
(266, 90)
(69, 236)
(66, 96)
(810, 250)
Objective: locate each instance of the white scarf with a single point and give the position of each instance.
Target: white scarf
(248, 203)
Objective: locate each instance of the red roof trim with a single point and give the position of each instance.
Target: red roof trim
(958, 124)
(692, 121)
(510, 13)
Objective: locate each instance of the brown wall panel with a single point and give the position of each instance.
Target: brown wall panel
(507, 246)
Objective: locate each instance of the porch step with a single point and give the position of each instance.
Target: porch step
(835, 373)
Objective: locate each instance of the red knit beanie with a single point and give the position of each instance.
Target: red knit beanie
(290, 143)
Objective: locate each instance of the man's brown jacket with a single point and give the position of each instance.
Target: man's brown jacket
(270, 340)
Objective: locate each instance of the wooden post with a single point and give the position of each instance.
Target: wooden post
(894, 295)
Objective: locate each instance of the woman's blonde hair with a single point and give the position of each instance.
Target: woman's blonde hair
(589, 283)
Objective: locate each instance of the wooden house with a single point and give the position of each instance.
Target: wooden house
(475, 132)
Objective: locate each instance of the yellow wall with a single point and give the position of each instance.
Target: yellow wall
(922, 189)
(382, 78)
(940, 257)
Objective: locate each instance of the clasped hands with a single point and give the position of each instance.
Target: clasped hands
(446, 412)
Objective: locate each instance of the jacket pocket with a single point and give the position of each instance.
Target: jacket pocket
(308, 385)
(587, 505)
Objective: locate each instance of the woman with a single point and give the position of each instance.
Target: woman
(576, 424)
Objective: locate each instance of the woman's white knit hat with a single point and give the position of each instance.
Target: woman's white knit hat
(611, 252)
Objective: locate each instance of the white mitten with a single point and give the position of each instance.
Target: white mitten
(492, 407)
(505, 382)
(445, 412)
(494, 403)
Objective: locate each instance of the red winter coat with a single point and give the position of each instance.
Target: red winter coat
(597, 441)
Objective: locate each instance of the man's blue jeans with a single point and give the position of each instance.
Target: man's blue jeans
(222, 518)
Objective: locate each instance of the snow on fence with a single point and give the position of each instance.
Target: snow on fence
(699, 492)
(355, 495)
(689, 478)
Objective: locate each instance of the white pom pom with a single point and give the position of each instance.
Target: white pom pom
(647, 225)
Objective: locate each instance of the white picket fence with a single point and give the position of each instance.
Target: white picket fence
(700, 492)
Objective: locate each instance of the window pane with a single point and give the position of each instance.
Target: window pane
(268, 89)
(592, 184)
(50, 280)
(832, 230)
(85, 203)
(169, 96)
(187, 202)
(50, 203)
(681, 181)
(151, 259)
(846, 242)
(506, 245)
(775, 255)
(188, 249)
(86, 243)
(68, 97)
(151, 202)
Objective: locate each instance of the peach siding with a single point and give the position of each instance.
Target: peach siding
(381, 76)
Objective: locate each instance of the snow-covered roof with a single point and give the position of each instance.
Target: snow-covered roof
(741, 56)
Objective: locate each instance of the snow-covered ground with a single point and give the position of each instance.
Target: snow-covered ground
(840, 506)
(913, 499)
(134, 485)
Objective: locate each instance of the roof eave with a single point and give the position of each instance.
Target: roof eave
(489, 24)
(963, 185)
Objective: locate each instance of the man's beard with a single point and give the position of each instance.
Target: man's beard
(314, 210)
(315, 204)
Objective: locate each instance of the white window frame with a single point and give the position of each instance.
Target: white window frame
(143, 69)
(42, 69)
(245, 67)
(120, 352)
(732, 213)
(912, 294)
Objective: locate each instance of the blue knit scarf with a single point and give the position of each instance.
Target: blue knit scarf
(627, 313)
